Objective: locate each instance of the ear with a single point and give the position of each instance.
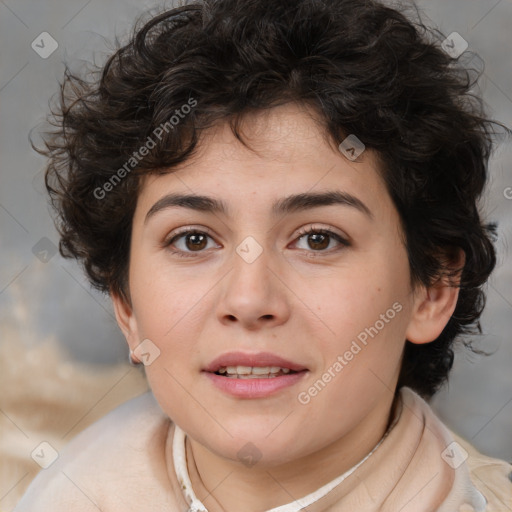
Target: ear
(434, 305)
(126, 320)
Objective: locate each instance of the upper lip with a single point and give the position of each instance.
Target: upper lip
(257, 359)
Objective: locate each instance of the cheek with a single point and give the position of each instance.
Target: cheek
(166, 299)
(358, 300)
(367, 312)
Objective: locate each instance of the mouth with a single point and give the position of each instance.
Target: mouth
(253, 372)
(253, 375)
(257, 365)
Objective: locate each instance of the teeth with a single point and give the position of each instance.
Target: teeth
(263, 370)
(252, 372)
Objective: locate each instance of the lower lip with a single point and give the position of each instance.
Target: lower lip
(254, 388)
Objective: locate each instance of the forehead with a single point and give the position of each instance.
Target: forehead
(289, 153)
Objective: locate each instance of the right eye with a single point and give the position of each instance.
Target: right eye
(192, 240)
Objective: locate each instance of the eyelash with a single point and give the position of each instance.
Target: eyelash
(304, 232)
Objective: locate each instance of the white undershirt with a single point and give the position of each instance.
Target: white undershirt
(180, 466)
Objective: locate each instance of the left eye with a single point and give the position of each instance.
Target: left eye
(319, 239)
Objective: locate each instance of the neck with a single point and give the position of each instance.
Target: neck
(222, 484)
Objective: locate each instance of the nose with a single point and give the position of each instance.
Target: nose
(254, 293)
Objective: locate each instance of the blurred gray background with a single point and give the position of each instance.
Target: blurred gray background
(45, 297)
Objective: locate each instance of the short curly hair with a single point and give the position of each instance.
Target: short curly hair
(364, 67)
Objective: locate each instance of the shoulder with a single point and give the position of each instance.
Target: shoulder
(108, 464)
(492, 477)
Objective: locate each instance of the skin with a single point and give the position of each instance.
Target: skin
(299, 299)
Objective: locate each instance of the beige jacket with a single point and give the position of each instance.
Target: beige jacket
(119, 464)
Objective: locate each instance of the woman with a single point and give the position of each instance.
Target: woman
(280, 200)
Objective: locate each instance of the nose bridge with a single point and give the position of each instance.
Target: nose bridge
(252, 291)
(250, 267)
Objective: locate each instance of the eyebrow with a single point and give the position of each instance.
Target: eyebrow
(287, 205)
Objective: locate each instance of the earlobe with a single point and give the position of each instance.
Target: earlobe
(433, 308)
(125, 319)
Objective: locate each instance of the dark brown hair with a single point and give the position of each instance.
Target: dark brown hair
(365, 68)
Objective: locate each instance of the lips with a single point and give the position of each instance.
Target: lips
(254, 372)
(251, 376)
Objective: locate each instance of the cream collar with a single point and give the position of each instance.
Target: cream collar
(463, 493)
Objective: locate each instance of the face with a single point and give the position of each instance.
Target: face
(306, 303)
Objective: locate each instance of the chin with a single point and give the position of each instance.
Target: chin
(252, 442)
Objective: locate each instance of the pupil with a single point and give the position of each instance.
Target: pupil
(323, 238)
(197, 241)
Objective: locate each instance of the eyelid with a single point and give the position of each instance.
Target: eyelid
(314, 228)
(319, 228)
(184, 230)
